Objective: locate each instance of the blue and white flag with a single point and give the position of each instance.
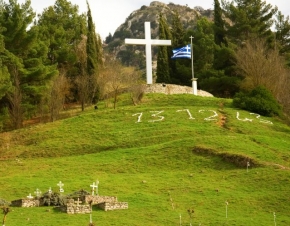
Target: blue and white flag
(183, 52)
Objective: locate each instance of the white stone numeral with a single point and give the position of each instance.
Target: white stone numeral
(211, 118)
(139, 116)
(245, 119)
(261, 120)
(156, 114)
(188, 112)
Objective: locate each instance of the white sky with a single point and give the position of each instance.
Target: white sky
(108, 15)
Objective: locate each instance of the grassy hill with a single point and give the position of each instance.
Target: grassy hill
(170, 154)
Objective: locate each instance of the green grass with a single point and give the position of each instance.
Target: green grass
(153, 165)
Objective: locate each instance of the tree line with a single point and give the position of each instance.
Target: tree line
(50, 60)
(56, 58)
(245, 47)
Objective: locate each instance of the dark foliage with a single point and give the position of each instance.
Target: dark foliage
(259, 100)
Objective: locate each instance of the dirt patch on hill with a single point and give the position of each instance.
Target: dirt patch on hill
(236, 159)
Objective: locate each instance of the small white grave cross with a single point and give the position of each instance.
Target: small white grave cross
(37, 192)
(60, 184)
(78, 202)
(49, 190)
(148, 42)
(94, 186)
(30, 196)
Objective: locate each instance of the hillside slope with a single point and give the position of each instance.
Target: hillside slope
(170, 154)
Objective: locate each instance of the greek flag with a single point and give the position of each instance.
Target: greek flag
(183, 52)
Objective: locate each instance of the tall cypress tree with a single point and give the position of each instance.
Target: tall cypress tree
(92, 56)
(177, 31)
(219, 24)
(178, 40)
(162, 59)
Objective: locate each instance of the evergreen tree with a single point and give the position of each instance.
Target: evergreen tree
(282, 40)
(99, 49)
(249, 19)
(93, 56)
(219, 24)
(24, 58)
(5, 83)
(61, 27)
(177, 31)
(162, 59)
(177, 73)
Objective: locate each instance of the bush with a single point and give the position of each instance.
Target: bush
(259, 100)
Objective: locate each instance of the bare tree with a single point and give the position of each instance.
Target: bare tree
(136, 86)
(86, 84)
(59, 90)
(114, 79)
(15, 99)
(262, 66)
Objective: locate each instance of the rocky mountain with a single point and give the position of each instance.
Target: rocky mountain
(133, 27)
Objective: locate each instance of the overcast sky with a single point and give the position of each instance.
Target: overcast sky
(109, 14)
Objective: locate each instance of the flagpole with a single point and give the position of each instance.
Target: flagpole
(191, 50)
(194, 80)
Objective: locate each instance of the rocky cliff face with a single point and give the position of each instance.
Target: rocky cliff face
(133, 27)
(134, 24)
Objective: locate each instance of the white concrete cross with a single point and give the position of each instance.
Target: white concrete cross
(78, 202)
(30, 196)
(93, 186)
(60, 184)
(37, 192)
(148, 42)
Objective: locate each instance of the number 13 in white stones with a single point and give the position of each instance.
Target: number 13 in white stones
(155, 115)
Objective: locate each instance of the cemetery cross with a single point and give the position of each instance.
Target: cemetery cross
(60, 184)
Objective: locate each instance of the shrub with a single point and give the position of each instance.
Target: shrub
(259, 100)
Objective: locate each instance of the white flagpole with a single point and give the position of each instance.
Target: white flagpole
(194, 82)
(191, 50)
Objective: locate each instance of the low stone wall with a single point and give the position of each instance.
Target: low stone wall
(113, 205)
(96, 199)
(78, 209)
(25, 203)
(174, 89)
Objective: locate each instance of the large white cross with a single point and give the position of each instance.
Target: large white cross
(148, 42)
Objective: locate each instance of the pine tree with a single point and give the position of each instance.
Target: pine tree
(162, 59)
(24, 56)
(282, 40)
(249, 19)
(5, 83)
(61, 28)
